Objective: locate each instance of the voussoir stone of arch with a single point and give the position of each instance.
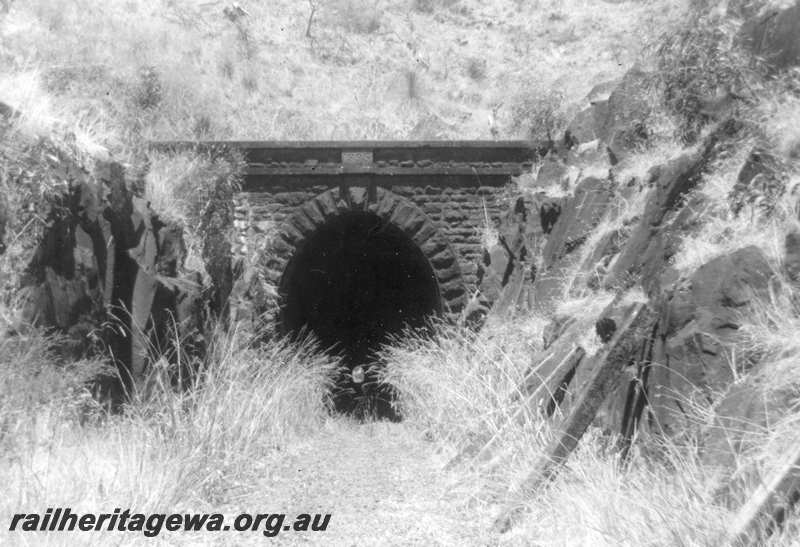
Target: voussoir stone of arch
(427, 231)
(304, 224)
(409, 217)
(328, 203)
(315, 210)
(290, 234)
(358, 197)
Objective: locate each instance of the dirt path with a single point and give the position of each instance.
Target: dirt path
(382, 484)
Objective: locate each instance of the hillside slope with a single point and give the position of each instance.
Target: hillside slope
(392, 69)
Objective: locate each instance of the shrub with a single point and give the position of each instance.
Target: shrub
(476, 68)
(539, 116)
(701, 70)
(148, 93)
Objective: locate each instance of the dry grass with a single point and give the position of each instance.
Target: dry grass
(457, 386)
(722, 231)
(139, 67)
(177, 451)
(445, 69)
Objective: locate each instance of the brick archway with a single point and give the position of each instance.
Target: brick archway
(393, 210)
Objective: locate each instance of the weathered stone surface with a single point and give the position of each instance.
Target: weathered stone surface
(601, 92)
(625, 123)
(595, 265)
(584, 127)
(791, 260)
(656, 272)
(579, 216)
(674, 181)
(701, 323)
(742, 416)
(105, 260)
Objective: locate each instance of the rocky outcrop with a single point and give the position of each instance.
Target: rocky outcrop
(693, 355)
(628, 111)
(650, 241)
(703, 314)
(108, 272)
(578, 216)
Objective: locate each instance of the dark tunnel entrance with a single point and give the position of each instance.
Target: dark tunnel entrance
(355, 282)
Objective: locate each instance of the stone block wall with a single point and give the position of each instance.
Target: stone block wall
(459, 211)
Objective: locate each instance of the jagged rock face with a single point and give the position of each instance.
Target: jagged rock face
(654, 236)
(617, 117)
(577, 217)
(108, 259)
(590, 123)
(774, 36)
(628, 110)
(700, 326)
(697, 326)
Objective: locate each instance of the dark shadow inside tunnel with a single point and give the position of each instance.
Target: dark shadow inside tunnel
(354, 283)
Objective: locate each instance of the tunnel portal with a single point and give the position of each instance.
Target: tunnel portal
(357, 281)
(364, 237)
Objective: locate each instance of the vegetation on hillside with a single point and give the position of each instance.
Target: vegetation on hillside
(103, 78)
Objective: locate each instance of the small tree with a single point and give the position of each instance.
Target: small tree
(539, 115)
(314, 6)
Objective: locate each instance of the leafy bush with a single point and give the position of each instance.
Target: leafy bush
(701, 71)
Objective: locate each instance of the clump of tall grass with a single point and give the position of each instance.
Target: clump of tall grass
(599, 500)
(243, 397)
(458, 387)
(36, 381)
(457, 381)
(171, 449)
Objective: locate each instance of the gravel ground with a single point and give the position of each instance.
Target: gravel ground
(382, 484)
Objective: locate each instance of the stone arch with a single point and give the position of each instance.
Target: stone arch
(390, 208)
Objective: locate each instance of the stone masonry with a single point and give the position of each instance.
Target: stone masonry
(442, 195)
